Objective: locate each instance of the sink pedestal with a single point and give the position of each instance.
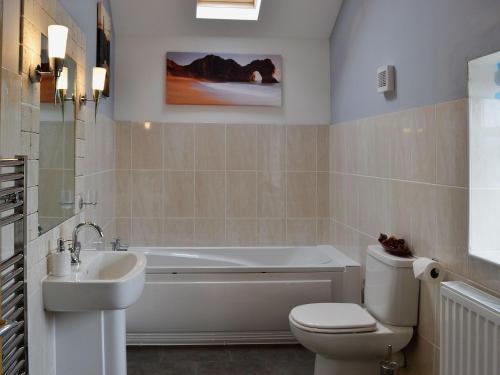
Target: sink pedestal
(89, 306)
(92, 342)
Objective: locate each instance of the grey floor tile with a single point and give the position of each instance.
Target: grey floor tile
(225, 360)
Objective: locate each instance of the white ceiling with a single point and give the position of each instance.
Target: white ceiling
(278, 19)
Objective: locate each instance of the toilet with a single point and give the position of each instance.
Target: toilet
(349, 339)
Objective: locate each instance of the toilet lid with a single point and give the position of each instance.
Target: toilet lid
(336, 317)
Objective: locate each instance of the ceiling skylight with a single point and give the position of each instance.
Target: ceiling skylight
(247, 10)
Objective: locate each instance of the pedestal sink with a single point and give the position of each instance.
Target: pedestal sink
(90, 311)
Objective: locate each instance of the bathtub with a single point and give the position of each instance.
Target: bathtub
(204, 296)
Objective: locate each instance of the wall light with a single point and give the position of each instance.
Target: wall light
(62, 89)
(58, 39)
(98, 83)
(147, 125)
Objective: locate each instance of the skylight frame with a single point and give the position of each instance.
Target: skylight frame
(228, 10)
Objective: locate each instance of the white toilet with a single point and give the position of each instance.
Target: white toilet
(351, 340)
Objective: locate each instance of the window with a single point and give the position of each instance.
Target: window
(228, 9)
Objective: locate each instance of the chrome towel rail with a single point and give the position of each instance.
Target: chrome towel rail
(12, 269)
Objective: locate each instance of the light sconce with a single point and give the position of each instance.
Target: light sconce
(58, 38)
(98, 83)
(62, 89)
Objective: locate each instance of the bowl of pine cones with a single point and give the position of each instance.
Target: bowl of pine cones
(394, 246)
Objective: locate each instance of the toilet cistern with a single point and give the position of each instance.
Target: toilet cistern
(76, 246)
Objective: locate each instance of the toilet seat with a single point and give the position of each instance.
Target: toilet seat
(333, 318)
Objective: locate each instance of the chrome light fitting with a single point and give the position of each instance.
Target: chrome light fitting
(62, 89)
(98, 83)
(58, 39)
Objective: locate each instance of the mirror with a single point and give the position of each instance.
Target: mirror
(484, 157)
(56, 192)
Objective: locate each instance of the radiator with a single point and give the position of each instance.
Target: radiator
(470, 331)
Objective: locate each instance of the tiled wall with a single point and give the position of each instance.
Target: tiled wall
(218, 184)
(406, 173)
(19, 129)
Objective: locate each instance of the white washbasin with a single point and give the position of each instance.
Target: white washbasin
(103, 281)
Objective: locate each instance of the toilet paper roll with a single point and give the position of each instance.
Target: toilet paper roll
(426, 269)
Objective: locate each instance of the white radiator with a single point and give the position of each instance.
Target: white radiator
(470, 331)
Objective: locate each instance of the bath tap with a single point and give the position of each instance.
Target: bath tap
(117, 245)
(77, 246)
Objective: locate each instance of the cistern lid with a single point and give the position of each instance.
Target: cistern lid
(333, 317)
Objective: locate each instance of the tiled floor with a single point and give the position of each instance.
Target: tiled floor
(227, 360)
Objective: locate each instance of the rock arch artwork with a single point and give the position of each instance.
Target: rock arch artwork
(223, 79)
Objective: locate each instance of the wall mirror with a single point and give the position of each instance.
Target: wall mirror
(484, 157)
(56, 193)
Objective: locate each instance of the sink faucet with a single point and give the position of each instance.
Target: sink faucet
(77, 246)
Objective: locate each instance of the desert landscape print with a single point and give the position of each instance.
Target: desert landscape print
(223, 79)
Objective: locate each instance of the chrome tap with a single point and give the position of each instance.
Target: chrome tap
(77, 246)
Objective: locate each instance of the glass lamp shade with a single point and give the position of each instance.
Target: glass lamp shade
(62, 81)
(98, 78)
(58, 37)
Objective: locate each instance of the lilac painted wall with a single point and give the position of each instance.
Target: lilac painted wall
(429, 42)
(84, 12)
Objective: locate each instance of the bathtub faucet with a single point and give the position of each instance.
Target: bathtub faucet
(77, 246)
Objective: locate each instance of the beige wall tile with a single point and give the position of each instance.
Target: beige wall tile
(373, 206)
(123, 229)
(179, 232)
(210, 193)
(451, 120)
(323, 232)
(146, 231)
(424, 147)
(10, 114)
(374, 146)
(210, 144)
(241, 194)
(423, 219)
(210, 231)
(400, 209)
(271, 147)
(346, 199)
(403, 137)
(323, 148)
(241, 232)
(428, 319)
(348, 241)
(179, 194)
(301, 232)
(123, 194)
(147, 146)
(345, 157)
(271, 232)
(301, 194)
(271, 194)
(451, 226)
(484, 273)
(179, 146)
(323, 195)
(241, 147)
(147, 193)
(301, 147)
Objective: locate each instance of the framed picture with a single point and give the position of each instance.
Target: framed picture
(194, 78)
(104, 33)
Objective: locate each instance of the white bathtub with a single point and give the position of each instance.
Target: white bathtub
(200, 296)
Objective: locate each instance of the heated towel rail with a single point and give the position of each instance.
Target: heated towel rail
(13, 328)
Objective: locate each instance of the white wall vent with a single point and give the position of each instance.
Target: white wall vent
(385, 79)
